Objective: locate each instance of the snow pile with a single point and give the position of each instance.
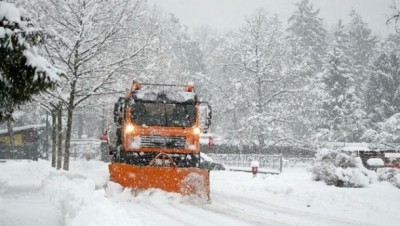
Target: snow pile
(82, 204)
(390, 175)
(375, 162)
(30, 179)
(340, 169)
(195, 183)
(127, 195)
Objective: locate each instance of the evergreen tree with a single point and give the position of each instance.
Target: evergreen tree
(307, 48)
(383, 87)
(361, 49)
(342, 107)
(23, 72)
(307, 37)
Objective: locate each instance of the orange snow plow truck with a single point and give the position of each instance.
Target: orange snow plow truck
(157, 140)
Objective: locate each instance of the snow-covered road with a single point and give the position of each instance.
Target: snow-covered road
(31, 193)
(29, 208)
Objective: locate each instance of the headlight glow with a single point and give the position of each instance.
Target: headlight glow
(129, 128)
(196, 131)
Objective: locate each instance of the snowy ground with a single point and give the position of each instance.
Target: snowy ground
(31, 193)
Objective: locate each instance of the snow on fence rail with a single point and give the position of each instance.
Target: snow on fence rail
(85, 148)
(268, 163)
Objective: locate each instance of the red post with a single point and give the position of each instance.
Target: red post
(104, 137)
(210, 141)
(254, 167)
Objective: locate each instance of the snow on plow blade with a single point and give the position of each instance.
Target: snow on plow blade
(187, 181)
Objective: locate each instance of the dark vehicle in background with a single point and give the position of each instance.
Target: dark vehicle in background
(208, 163)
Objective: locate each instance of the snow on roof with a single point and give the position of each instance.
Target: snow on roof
(9, 12)
(21, 128)
(175, 96)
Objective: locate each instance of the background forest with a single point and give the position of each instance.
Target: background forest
(301, 86)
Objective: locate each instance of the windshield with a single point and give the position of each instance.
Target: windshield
(164, 114)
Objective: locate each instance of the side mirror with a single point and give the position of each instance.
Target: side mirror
(208, 122)
(116, 112)
(118, 109)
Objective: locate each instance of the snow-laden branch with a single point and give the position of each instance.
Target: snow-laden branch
(272, 97)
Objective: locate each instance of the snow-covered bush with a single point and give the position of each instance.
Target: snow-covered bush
(390, 175)
(340, 169)
(387, 132)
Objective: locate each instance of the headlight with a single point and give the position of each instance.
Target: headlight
(196, 131)
(129, 128)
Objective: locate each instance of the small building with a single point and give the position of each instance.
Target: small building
(27, 142)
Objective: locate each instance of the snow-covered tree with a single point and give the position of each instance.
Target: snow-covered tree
(383, 86)
(23, 71)
(341, 108)
(361, 48)
(226, 82)
(307, 38)
(261, 52)
(394, 16)
(252, 82)
(387, 132)
(221, 81)
(93, 42)
(307, 48)
(172, 57)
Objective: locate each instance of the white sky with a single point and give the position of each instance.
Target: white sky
(226, 14)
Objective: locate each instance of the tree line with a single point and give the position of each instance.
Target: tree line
(269, 86)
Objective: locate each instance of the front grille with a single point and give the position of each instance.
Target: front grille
(163, 142)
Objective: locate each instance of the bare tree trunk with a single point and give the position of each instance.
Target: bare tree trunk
(259, 110)
(70, 111)
(53, 138)
(59, 140)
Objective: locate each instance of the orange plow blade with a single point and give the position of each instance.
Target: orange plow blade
(186, 181)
